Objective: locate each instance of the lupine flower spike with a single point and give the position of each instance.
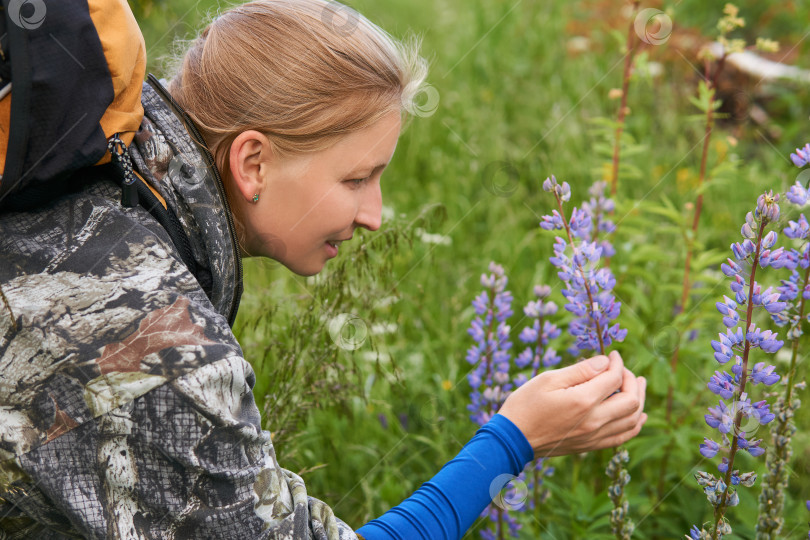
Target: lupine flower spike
(599, 208)
(490, 380)
(736, 416)
(538, 355)
(490, 354)
(794, 292)
(588, 290)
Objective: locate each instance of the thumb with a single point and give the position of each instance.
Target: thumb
(580, 372)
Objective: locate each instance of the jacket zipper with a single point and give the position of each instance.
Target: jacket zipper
(189, 125)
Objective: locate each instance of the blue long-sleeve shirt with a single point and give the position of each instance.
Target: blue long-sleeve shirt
(448, 504)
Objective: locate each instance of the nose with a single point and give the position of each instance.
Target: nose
(369, 214)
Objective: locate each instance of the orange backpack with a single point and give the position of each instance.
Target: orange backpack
(70, 80)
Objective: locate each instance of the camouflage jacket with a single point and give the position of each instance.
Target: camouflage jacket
(126, 408)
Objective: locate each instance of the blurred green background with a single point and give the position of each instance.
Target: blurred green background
(520, 83)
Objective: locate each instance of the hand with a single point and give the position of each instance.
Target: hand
(577, 408)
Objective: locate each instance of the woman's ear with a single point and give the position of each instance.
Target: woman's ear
(249, 155)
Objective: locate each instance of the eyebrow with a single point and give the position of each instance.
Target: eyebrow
(373, 170)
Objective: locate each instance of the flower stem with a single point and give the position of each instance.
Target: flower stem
(581, 271)
(538, 351)
(721, 509)
(690, 248)
(628, 66)
(690, 240)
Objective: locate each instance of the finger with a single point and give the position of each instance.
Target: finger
(613, 439)
(614, 407)
(606, 383)
(620, 439)
(629, 382)
(630, 386)
(627, 403)
(618, 426)
(642, 391)
(579, 373)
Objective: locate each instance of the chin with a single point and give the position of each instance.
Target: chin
(304, 271)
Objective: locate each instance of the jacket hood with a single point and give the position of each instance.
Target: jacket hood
(75, 69)
(169, 154)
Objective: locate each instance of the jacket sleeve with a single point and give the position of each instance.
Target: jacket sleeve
(187, 459)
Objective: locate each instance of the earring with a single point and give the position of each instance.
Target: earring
(256, 198)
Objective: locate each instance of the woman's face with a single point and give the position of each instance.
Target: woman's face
(309, 204)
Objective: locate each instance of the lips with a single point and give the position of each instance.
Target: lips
(336, 243)
(333, 245)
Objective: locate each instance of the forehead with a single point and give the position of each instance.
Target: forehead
(370, 147)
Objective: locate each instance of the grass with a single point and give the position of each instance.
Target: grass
(516, 106)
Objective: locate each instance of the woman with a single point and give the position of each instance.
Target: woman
(126, 408)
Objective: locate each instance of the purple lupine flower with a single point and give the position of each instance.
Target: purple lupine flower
(505, 523)
(599, 208)
(797, 194)
(722, 384)
(490, 379)
(538, 335)
(588, 292)
(757, 250)
(588, 288)
(762, 412)
(697, 534)
(798, 230)
(802, 156)
(720, 418)
(537, 354)
(764, 375)
(490, 354)
(793, 288)
(709, 448)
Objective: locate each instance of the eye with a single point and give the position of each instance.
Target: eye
(357, 182)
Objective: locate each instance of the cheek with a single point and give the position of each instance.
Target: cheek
(337, 210)
(302, 218)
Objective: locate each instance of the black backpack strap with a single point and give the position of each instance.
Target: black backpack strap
(134, 192)
(168, 220)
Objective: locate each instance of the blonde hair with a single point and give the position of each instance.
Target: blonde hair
(303, 72)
